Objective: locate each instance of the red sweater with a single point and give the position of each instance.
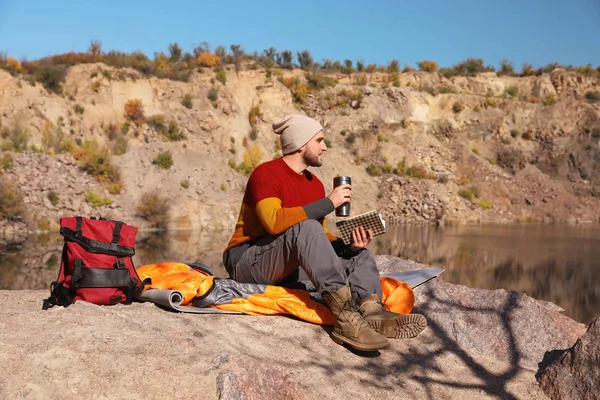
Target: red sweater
(274, 200)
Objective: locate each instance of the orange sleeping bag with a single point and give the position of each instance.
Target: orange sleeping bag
(397, 296)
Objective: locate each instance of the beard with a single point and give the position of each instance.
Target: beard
(312, 159)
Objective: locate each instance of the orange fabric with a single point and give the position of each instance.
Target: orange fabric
(397, 296)
(275, 218)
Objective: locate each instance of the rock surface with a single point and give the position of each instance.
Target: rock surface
(575, 372)
(140, 351)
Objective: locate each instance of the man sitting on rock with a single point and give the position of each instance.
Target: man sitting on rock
(281, 238)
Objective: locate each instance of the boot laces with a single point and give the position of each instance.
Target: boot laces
(354, 313)
(380, 304)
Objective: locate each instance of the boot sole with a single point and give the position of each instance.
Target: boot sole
(406, 326)
(358, 346)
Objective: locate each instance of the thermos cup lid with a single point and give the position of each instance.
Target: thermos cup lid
(340, 180)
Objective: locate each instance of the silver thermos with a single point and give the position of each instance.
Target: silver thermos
(344, 209)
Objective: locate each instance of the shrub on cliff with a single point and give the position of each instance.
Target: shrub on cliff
(164, 159)
(6, 162)
(427, 66)
(96, 161)
(50, 75)
(97, 200)
(10, 64)
(221, 76)
(134, 111)
(11, 201)
(17, 136)
(187, 101)
(511, 160)
(506, 68)
(53, 137)
(208, 60)
(592, 97)
(155, 209)
(254, 114)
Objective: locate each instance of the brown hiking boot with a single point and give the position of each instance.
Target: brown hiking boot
(350, 326)
(392, 325)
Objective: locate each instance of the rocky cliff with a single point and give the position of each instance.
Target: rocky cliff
(486, 148)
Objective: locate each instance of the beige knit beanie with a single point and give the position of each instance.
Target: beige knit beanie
(295, 130)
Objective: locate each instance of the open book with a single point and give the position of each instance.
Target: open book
(369, 220)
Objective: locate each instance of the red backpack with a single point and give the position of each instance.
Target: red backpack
(96, 263)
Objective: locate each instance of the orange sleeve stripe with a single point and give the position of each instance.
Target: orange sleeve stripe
(277, 219)
(329, 235)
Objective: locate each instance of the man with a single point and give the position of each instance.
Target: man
(281, 238)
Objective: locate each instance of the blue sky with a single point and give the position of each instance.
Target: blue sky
(377, 31)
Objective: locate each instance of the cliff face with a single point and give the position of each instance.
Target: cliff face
(466, 149)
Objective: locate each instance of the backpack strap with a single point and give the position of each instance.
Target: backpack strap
(114, 245)
(79, 224)
(59, 296)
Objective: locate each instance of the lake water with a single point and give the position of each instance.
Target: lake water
(557, 263)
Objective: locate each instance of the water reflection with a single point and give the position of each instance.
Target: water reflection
(556, 263)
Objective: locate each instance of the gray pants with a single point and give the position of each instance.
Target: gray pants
(303, 255)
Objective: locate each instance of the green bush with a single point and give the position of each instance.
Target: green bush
(400, 167)
(592, 97)
(187, 101)
(351, 138)
(6, 162)
(514, 133)
(510, 159)
(79, 109)
(125, 127)
(173, 132)
(457, 107)
(154, 209)
(254, 115)
(120, 146)
(549, 100)
(221, 76)
(485, 204)
(97, 200)
(253, 134)
(466, 194)
(164, 160)
(393, 66)
(96, 161)
(417, 171)
(53, 197)
(11, 201)
(445, 90)
(213, 94)
(52, 261)
(185, 184)
(51, 76)
(373, 170)
(17, 135)
(491, 102)
(53, 137)
(506, 68)
(512, 91)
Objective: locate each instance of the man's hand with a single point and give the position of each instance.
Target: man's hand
(340, 195)
(360, 238)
